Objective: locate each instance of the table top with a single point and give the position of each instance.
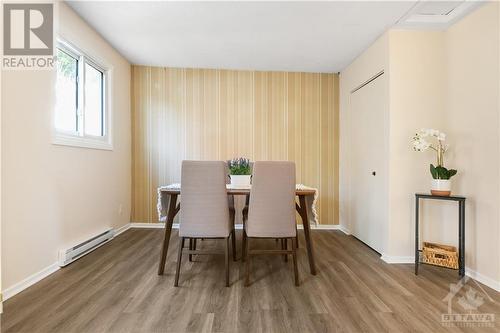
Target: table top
(439, 197)
(240, 190)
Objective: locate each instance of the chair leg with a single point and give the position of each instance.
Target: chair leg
(233, 237)
(190, 248)
(179, 258)
(247, 259)
(244, 246)
(233, 232)
(194, 246)
(226, 253)
(296, 237)
(294, 254)
(284, 246)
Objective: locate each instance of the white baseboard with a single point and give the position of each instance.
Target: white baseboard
(487, 281)
(122, 229)
(29, 281)
(301, 227)
(321, 227)
(344, 229)
(398, 259)
(161, 225)
(34, 278)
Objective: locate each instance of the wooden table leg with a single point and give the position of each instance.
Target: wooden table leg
(172, 211)
(305, 222)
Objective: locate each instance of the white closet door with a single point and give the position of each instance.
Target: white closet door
(368, 156)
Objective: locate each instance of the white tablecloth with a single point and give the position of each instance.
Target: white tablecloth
(163, 201)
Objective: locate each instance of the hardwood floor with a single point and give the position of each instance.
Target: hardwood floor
(116, 289)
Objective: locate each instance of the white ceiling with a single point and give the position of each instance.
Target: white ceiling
(280, 36)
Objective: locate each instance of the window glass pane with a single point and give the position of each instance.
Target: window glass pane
(66, 117)
(94, 116)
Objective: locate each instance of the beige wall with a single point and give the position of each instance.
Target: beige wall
(220, 114)
(447, 80)
(55, 196)
(472, 117)
(416, 98)
(1, 195)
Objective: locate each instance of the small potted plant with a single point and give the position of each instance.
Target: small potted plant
(441, 183)
(239, 171)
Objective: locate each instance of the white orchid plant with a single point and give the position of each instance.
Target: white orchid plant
(421, 143)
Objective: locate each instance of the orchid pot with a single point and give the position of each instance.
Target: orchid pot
(441, 187)
(441, 176)
(441, 183)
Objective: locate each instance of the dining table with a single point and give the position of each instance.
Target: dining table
(169, 202)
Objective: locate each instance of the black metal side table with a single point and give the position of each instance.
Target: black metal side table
(461, 229)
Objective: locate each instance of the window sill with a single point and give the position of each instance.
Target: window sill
(80, 142)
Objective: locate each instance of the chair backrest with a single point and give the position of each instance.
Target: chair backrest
(204, 205)
(271, 211)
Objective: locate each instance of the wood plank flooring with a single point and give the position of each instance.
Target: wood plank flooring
(116, 289)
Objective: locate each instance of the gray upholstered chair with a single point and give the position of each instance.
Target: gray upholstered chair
(204, 211)
(271, 212)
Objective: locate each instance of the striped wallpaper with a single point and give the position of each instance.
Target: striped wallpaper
(220, 114)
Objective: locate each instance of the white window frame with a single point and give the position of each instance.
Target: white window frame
(79, 138)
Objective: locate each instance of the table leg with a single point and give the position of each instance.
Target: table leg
(305, 223)
(461, 239)
(168, 230)
(417, 256)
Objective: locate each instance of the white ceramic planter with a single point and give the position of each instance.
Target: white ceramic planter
(441, 187)
(240, 180)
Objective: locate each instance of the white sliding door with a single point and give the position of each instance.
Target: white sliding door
(368, 204)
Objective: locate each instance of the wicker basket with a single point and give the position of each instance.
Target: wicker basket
(440, 255)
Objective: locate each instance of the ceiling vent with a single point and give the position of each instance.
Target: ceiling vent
(436, 14)
(437, 7)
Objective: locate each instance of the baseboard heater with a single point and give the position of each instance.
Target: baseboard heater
(69, 255)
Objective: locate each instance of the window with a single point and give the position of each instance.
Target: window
(81, 112)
